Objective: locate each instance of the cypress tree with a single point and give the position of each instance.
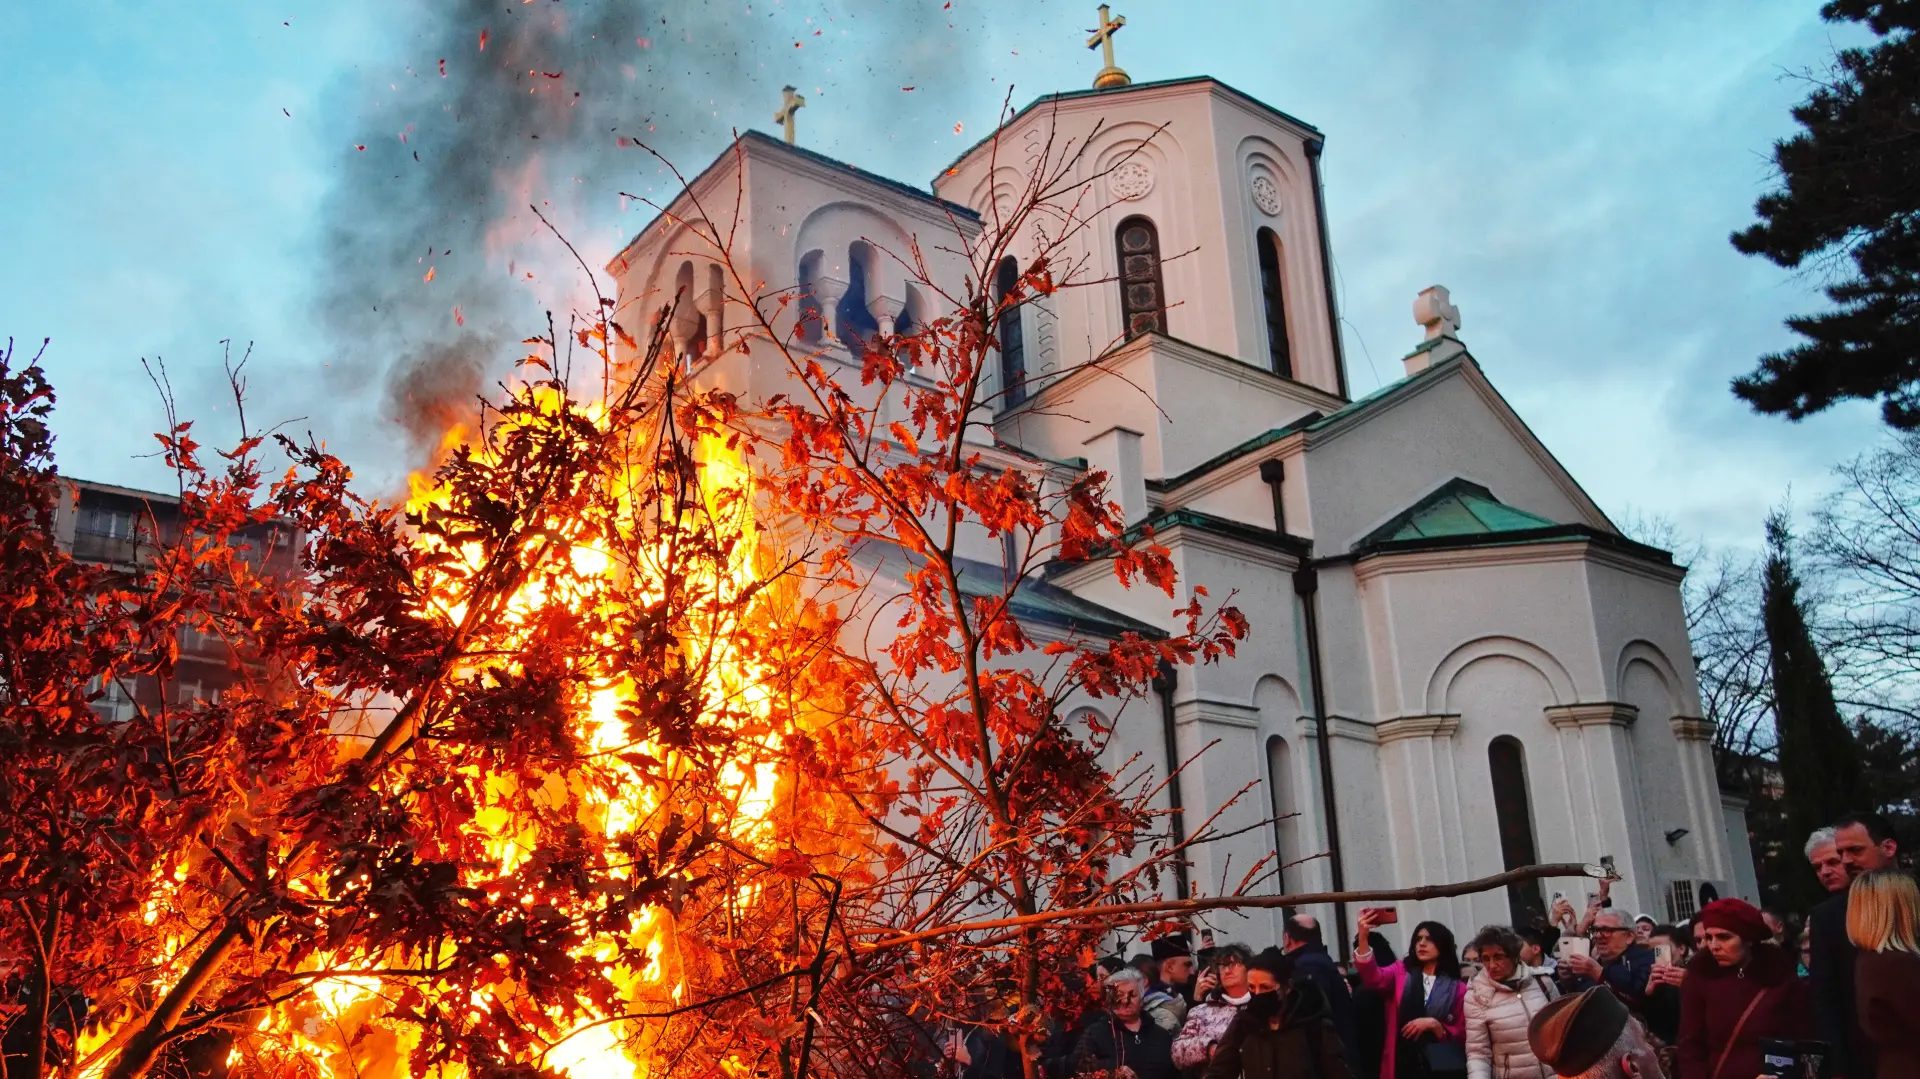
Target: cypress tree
(1820, 768)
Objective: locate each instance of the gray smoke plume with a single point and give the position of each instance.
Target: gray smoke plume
(433, 269)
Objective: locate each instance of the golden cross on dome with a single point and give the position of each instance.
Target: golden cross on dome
(789, 104)
(1110, 76)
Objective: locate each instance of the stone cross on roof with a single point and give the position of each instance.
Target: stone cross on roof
(789, 105)
(1434, 309)
(1110, 76)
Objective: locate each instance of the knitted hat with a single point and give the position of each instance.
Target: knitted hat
(1573, 1033)
(1736, 916)
(1171, 945)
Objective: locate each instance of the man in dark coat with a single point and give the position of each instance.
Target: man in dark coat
(1122, 1041)
(1306, 948)
(1865, 842)
(1617, 962)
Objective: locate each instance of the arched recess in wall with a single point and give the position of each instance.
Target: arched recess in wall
(1646, 652)
(839, 249)
(1559, 682)
(1273, 299)
(853, 321)
(1147, 197)
(1513, 814)
(1013, 338)
(1279, 707)
(812, 319)
(1283, 804)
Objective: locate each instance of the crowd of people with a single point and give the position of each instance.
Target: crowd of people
(1736, 992)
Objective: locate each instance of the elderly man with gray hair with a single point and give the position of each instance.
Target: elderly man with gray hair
(1592, 1035)
(1617, 961)
(1824, 856)
(1121, 1041)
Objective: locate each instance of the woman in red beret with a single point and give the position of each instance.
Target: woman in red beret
(1739, 989)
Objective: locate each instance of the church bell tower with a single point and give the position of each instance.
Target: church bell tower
(1211, 227)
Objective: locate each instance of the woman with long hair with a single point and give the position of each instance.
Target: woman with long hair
(1739, 989)
(1883, 921)
(1425, 998)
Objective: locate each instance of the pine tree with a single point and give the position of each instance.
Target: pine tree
(1850, 191)
(1820, 767)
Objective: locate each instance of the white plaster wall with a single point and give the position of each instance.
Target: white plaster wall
(1422, 624)
(1187, 405)
(1373, 470)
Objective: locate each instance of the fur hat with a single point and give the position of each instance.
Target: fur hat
(1736, 916)
(1171, 945)
(1573, 1033)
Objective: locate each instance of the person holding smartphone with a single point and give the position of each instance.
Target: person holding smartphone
(1426, 1002)
(1122, 1042)
(1219, 994)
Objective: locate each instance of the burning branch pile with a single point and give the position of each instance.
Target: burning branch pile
(657, 733)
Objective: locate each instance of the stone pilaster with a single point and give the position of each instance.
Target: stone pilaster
(1419, 770)
(1603, 790)
(1707, 821)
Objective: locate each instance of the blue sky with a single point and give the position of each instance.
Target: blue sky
(1570, 172)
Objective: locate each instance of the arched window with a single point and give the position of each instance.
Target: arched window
(1013, 339)
(853, 324)
(1143, 302)
(1273, 292)
(810, 316)
(1513, 811)
(1280, 791)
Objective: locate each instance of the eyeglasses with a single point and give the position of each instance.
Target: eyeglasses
(1599, 929)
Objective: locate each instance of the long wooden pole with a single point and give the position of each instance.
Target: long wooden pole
(1126, 911)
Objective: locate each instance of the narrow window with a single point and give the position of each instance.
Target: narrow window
(1513, 812)
(810, 315)
(1272, 290)
(1143, 304)
(1280, 792)
(1013, 339)
(853, 324)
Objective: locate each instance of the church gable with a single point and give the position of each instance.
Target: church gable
(1373, 463)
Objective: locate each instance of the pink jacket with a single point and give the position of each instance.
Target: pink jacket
(1390, 982)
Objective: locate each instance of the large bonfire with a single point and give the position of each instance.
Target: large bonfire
(600, 756)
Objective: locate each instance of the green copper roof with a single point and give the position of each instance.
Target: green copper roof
(1035, 600)
(1459, 508)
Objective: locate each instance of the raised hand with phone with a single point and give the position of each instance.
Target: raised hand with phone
(1424, 995)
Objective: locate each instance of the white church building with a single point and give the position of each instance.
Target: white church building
(1457, 665)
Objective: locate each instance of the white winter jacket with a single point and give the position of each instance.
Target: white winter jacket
(1497, 1018)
